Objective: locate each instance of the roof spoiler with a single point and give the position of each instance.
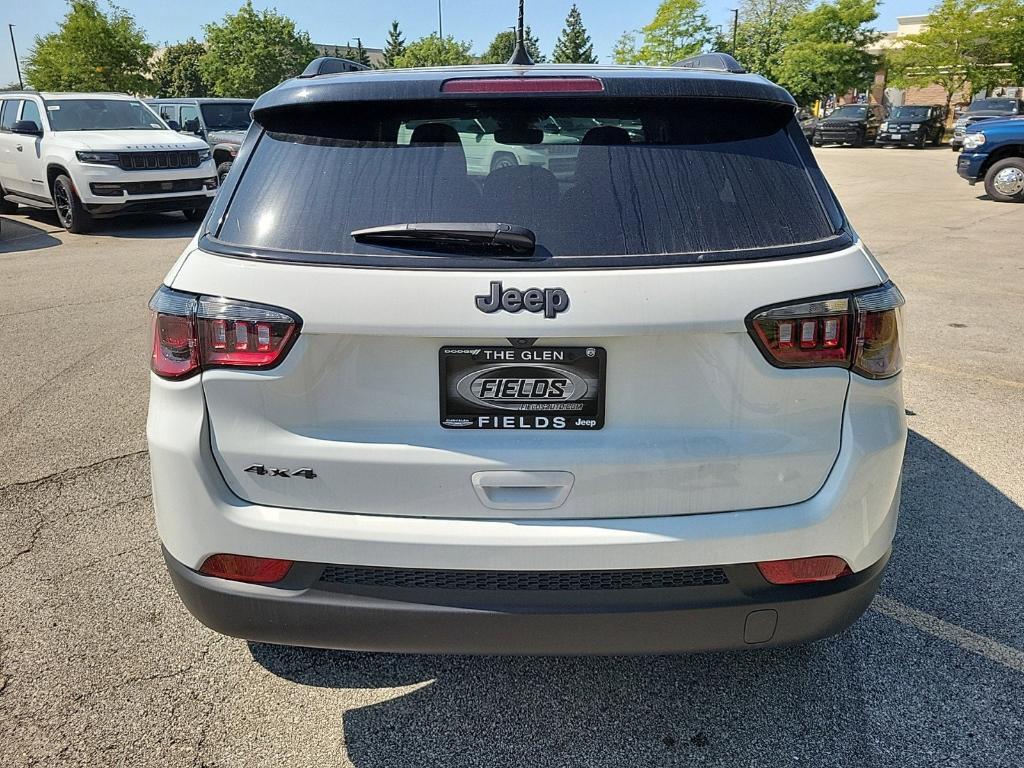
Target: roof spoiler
(720, 62)
(330, 65)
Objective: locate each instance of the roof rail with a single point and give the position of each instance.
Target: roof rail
(329, 65)
(720, 62)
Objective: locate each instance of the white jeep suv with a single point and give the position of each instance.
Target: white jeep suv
(401, 402)
(94, 155)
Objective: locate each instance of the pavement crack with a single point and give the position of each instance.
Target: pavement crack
(152, 677)
(60, 473)
(88, 356)
(46, 521)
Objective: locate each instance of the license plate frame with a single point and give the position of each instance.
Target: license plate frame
(546, 388)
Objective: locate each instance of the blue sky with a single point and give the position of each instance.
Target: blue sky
(338, 21)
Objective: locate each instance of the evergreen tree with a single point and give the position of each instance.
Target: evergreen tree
(573, 45)
(358, 54)
(395, 46)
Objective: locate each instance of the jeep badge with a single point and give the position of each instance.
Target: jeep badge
(549, 300)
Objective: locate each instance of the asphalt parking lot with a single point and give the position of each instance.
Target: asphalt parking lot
(101, 665)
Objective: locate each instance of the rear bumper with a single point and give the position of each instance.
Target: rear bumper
(746, 612)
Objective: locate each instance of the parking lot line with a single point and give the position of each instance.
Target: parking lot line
(951, 633)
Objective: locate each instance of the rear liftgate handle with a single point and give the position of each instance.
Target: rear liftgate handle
(515, 489)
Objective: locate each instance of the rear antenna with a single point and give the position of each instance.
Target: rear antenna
(520, 56)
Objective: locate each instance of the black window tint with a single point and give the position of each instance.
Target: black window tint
(168, 112)
(666, 181)
(226, 116)
(31, 112)
(9, 115)
(190, 118)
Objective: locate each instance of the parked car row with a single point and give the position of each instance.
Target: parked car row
(96, 155)
(862, 124)
(903, 126)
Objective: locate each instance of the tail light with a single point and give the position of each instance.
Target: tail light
(253, 570)
(191, 333)
(804, 570)
(858, 331)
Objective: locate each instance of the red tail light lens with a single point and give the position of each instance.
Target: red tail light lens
(804, 570)
(253, 570)
(523, 85)
(858, 331)
(192, 332)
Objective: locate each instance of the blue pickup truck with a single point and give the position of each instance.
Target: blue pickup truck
(994, 153)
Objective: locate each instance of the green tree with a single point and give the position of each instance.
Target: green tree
(573, 45)
(824, 51)
(762, 34)
(395, 45)
(679, 29)
(957, 47)
(434, 51)
(504, 43)
(176, 72)
(251, 51)
(358, 54)
(1007, 25)
(91, 51)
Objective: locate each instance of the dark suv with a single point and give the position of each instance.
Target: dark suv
(855, 124)
(980, 110)
(222, 123)
(913, 126)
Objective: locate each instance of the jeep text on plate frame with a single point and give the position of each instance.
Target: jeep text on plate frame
(547, 388)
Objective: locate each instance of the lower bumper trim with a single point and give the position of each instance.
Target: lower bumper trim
(155, 205)
(746, 612)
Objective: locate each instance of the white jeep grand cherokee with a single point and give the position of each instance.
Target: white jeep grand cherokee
(650, 405)
(94, 155)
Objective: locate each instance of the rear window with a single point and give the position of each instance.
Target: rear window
(673, 181)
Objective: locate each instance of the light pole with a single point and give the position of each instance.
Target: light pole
(17, 64)
(735, 24)
(440, 30)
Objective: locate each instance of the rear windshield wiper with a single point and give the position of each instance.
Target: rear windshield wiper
(519, 240)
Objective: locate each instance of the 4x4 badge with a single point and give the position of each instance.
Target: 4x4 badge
(260, 469)
(550, 301)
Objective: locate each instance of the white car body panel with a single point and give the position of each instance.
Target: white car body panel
(697, 421)
(853, 515)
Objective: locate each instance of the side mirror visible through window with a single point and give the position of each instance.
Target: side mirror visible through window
(27, 127)
(173, 125)
(192, 126)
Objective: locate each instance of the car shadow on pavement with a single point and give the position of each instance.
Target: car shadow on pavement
(140, 226)
(22, 235)
(146, 226)
(882, 693)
